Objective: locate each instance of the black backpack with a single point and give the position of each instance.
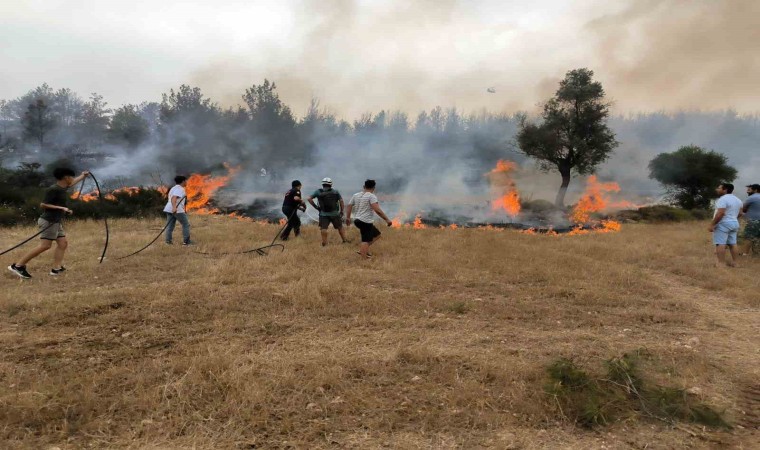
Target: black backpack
(328, 200)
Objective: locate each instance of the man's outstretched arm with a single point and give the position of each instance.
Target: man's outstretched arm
(379, 211)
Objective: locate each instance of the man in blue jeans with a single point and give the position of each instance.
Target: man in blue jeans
(175, 211)
(725, 224)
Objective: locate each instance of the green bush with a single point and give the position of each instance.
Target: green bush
(620, 393)
(25, 209)
(8, 216)
(663, 213)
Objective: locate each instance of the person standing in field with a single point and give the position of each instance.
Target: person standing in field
(53, 209)
(751, 210)
(330, 209)
(725, 223)
(176, 212)
(366, 205)
(290, 206)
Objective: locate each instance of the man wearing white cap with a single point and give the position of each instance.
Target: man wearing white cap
(330, 209)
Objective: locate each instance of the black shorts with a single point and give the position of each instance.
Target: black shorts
(368, 230)
(325, 221)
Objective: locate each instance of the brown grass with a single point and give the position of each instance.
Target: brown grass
(441, 341)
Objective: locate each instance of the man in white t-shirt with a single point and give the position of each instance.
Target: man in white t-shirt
(175, 211)
(365, 205)
(725, 223)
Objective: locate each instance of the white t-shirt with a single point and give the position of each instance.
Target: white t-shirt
(176, 191)
(362, 206)
(733, 206)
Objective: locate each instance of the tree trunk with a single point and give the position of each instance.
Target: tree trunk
(560, 201)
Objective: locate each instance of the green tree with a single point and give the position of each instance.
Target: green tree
(573, 136)
(273, 124)
(94, 120)
(691, 174)
(37, 122)
(128, 126)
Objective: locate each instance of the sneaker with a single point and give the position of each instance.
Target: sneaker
(168, 243)
(20, 271)
(369, 255)
(56, 272)
(188, 243)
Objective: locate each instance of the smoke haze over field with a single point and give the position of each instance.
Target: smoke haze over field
(419, 95)
(362, 55)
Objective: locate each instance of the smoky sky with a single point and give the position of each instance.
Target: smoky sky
(361, 55)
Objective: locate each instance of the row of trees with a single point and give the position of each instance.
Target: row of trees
(195, 133)
(189, 131)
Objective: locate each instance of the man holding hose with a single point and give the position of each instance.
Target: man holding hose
(53, 209)
(175, 211)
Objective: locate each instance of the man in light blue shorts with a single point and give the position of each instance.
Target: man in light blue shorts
(725, 224)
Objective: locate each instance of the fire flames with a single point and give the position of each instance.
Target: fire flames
(201, 188)
(595, 199)
(92, 196)
(398, 222)
(504, 188)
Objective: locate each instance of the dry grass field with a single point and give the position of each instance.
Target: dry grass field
(441, 341)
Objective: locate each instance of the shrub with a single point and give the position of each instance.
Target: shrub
(593, 401)
(663, 213)
(23, 206)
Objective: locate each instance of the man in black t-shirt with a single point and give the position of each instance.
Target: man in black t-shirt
(292, 203)
(53, 208)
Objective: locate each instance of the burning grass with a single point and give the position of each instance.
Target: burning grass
(441, 341)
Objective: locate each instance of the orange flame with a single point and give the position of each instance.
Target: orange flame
(490, 227)
(417, 224)
(93, 195)
(88, 197)
(200, 189)
(595, 199)
(609, 226)
(398, 221)
(504, 188)
(453, 226)
(238, 216)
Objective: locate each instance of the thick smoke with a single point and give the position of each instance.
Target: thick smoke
(671, 54)
(651, 55)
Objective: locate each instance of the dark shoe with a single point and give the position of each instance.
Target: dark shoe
(20, 271)
(56, 272)
(168, 243)
(369, 255)
(283, 239)
(188, 243)
(324, 244)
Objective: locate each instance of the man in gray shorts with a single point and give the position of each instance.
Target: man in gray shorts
(330, 209)
(54, 207)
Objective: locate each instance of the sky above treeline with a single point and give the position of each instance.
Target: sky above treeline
(358, 56)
